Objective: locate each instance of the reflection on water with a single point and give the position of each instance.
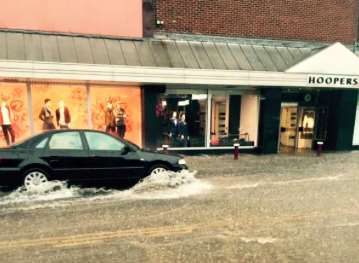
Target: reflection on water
(168, 185)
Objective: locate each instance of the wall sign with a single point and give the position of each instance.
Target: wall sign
(336, 81)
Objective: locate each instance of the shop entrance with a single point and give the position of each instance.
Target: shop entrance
(301, 127)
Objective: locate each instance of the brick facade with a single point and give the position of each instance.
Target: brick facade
(312, 20)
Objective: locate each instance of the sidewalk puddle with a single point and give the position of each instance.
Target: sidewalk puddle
(288, 182)
(260, 240)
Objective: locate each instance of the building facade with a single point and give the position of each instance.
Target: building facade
(179, 78)
(316, 20)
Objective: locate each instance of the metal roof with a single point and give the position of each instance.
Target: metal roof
(172, 53)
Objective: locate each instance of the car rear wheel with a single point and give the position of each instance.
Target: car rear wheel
(158, 169)
(34, 179)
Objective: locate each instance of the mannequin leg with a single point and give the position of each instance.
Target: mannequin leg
(12, 134)
(6, 134)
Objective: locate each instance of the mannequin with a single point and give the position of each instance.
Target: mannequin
(183, 131)
(173, 128)
(121, 121)
(63, 117)
(308, 122)
(47, 116)
(110, 120)
(6, 118)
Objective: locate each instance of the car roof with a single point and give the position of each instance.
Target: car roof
(70, 130)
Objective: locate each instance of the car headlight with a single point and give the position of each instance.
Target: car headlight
(182, 162)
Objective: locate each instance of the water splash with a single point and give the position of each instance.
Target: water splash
(168, 185)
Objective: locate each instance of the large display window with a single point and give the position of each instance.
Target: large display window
(28, 108)
(117, 110)
(182, 120)
(59, 106)
(234, 118)
(14, 117)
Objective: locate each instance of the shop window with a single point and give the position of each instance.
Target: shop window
(234, 118)
(117, 110)
(182, 119)
(14, 113)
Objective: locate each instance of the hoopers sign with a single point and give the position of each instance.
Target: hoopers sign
(333, 81)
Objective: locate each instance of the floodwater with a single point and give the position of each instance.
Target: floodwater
(168, 185)
(291, 208)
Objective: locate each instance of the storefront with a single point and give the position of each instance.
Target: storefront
(182, 94)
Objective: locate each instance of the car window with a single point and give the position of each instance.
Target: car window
(103, 142)
(42, 143)
(66, 141)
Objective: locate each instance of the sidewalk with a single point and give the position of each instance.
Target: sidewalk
(329, 164)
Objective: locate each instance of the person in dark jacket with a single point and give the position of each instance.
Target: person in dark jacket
(63, 117)
(46, 116)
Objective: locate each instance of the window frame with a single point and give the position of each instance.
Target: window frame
(104, 134)
(46, 139)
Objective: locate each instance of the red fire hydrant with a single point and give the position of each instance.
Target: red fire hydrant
(319, 147)
(236, 151)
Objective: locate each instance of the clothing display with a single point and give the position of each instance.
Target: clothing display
(63, 117)
(5, 122)
(47, 118)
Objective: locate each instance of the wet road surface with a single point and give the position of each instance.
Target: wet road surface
(259, 209)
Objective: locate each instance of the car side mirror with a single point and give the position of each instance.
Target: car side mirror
(126, 150)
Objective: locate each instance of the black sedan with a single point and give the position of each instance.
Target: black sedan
(80, 157)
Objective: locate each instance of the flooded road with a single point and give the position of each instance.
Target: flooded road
(269, 209)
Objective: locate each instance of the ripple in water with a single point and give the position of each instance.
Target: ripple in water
(168, 185)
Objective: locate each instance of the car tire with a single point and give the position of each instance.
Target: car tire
(34, 178)
(157, 169)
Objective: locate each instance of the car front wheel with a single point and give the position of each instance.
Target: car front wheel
(34, 179)
(158, 169)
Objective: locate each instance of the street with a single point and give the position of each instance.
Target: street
(275, 208)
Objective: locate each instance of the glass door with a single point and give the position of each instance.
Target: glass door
(306, 128)
(219, 120)
(288, 128)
